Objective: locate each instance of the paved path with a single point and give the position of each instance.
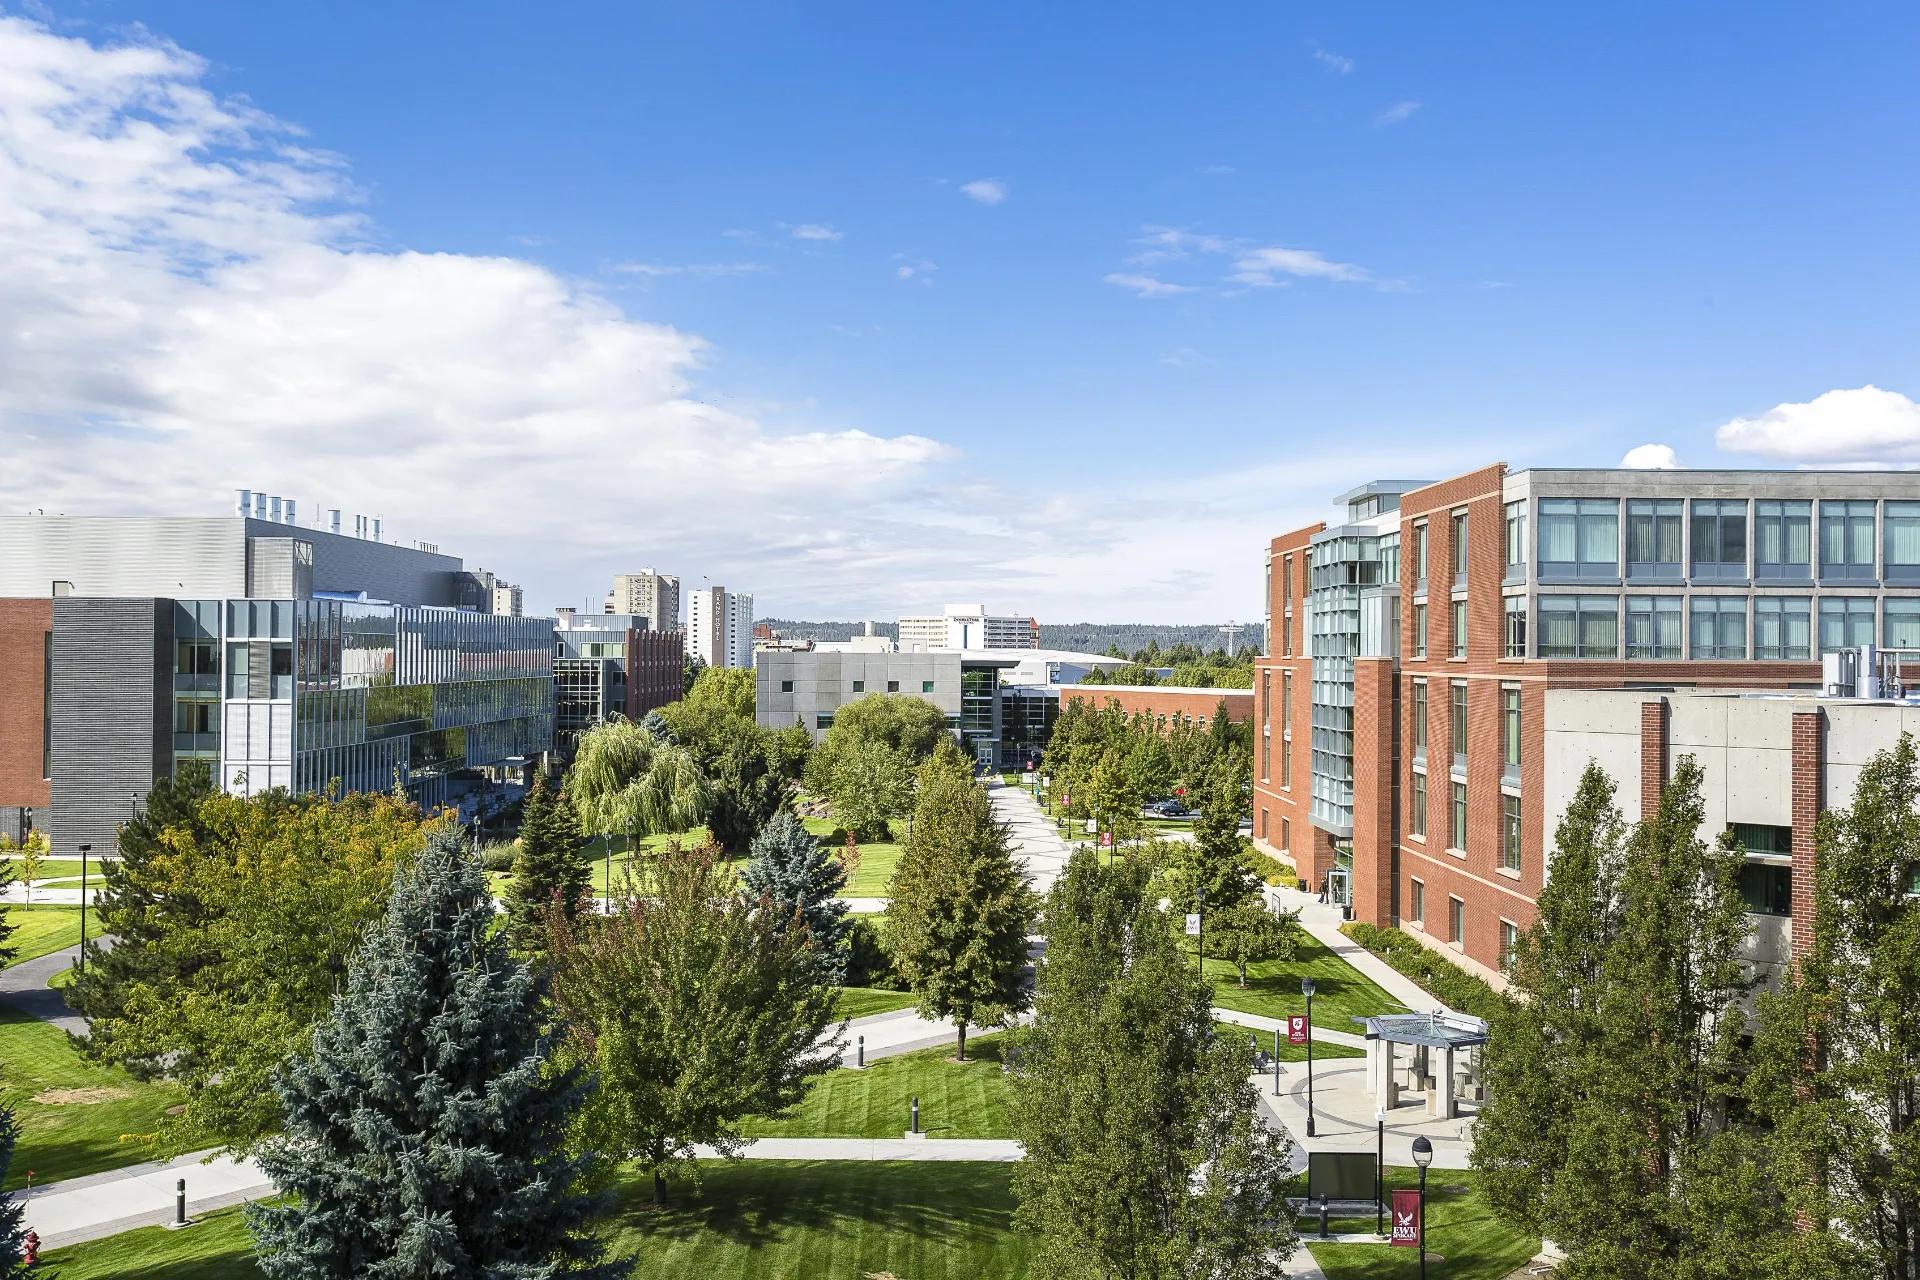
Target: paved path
(16, 895)
(105, 1204)
(24, 986)
(1034, 838)
(901, 1031)
(1322, 923)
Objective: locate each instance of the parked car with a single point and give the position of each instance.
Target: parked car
(1168, 809)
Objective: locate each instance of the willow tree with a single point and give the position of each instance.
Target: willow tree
(625, 779)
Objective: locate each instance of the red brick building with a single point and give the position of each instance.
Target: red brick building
(1400, 709)
(1164, 702)
(26, 654)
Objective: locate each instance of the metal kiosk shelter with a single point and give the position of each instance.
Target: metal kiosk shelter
(1439, 1041)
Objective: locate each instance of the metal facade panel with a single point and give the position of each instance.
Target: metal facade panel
(399, 575)
(112, 705)
(123, 556)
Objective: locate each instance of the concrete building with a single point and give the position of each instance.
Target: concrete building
(607, 664)
(279, 655)
(720, 627)
(649, 595)
(809, 688)
(1401, 712)
(968, 626)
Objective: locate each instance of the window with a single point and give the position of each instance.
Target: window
(1286, 766)
(1509, 833)
(1509, 943)
(1761, 840)
(1766, 888)
(1516, 626)
(1393, 625)
(1456, 922)
(1846, 622)
(823, 723)
(1719, 539)
(1782, 628)
(1420, 553)
(926, 686)
(1286, 704)
(893, 686)
(1782, 542)
(1418, 902)
(1719, 627)
(1459, 695)
(1510, 732)
(1459, 628)
(1653, 539)
(1902, 630)
(1459, 815)
(1286, 835)
(1846, 540)
(1263, 824)
(1653, 627)
(1419, 719)
(1266, 756)
(1460, 549)
(1417, 810)
(859, 686)
(1286, 581)
(1903, 542)
(1516, 542)
(786, 686)
(1419, 631)
(1579, 538)
(1266, 701)
(1579, 626)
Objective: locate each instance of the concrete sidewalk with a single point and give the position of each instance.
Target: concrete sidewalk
(105, 1204)
(24, 986)
(1322, 923)
(1032, 836)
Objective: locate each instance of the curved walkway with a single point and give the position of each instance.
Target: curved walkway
(24, 986)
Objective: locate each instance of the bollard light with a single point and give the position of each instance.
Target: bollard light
(916, 1115)
(860, 1060)
(1306, 989)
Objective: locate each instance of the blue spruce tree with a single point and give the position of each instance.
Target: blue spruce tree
(425, 1131)
(791, 868)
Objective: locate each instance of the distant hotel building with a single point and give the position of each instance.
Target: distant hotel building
(968, 626)
(1422, 649)
(720, 627)
(281, 655)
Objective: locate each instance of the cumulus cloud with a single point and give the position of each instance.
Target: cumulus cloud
(1651, 457)
(815, 231)
(1260, 266)
(1860, 427)
(985, 190)
(1147, 286)
(1396, 113)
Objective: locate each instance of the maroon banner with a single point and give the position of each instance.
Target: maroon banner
(1297, 1032)
(1406, 1220)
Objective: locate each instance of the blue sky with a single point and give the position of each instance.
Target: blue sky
(1065, 308)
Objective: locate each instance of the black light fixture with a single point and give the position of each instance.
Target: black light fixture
(85, 849)
(1306, 989)
(1423, 1156)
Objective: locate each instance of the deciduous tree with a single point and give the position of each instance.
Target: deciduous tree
(872, 784)
(624, 779)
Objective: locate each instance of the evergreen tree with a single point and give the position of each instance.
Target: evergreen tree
(13, 1227)
(548, 867)
(797, 874)
(659, 729)
(426, 1128)
(960, 911)
(1146, 1157)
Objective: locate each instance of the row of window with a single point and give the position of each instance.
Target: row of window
(1457, 921)
(860, 686)
(1456, 835)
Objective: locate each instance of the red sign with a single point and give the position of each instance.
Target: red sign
(1407, 1222)
(1297, 1032)
(1179, 791)
(1106, 839)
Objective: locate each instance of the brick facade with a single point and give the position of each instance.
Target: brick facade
(1809, 797)
(25, 625)
(1164, 701)
(1283, 764)
(1654, 769)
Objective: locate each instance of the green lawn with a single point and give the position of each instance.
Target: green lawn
(1341, 992)
(755, 1220)
(1289, 1052)
(38, 931)
(859, 1002)
(870, 878)
(1469, 1242)
(956, 1100)
(73, 1114)
(58, 868)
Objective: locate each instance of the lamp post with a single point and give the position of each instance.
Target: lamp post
(1380, 1174)
(1423, 1156)
(85, 849)
(1200, 933)
(1306, 989)
(1276, 1062)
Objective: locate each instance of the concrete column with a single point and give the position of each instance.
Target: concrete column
(1440, 1092)
(1386, 1093)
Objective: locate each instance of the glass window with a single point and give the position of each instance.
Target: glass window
(1286, 580)
(1510, 730)
(1516, 541)
(1846, 540)
(1766, 888)
(1517, 627)
(1286, 703)
(1420, 553)
(1719, 539)
(1419, 718)
(1903, 542)
(1457, 921)
(1459, 628)
(1653, 539)
(1286, 835)
(1846, 622)
(1459, 815)
(1653, 626)
(786, 686)
(1510, 832)
(1759, 838)
(1286, 767)
(893, 686)
(1419, 631)
(1719, 629)
(1509, 943)
(1782, 541)
(1579, 538)
(1419, 897)
(926, 686)
(1782, 628)
(1902, 624)
(1459, 718)
(1460, 549)
(1417, 811)
(1579, 626)
(859, 686)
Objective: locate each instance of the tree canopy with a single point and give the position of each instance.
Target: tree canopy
(623, 778)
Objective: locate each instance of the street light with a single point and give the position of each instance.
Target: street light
(1423, 1156)
(1380, 1173)
(85, 849)
(1306, 989)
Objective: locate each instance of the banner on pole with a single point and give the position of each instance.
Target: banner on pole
(1193, 924)
(1406, 1220)
(1106, 839)
(1297, 1032)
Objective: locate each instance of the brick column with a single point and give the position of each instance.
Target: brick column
(1809, 796)
(1373, 816)
(1653, 756)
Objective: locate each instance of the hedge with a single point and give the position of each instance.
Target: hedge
(1269, 869)
(1437, 975)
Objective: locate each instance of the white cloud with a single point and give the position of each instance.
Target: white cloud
(1396, 113)
(1855, 427)
(985, 190)
(1147, 286)
(1259, 266)
(815, 231)
(1651, 457)
(1332, 61)
(689, 268)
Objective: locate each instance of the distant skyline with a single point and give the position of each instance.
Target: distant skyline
(859, 307)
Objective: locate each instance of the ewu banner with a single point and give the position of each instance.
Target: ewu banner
(1406, 1219)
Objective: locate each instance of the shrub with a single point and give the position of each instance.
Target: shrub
(1437, 975)
(497, 855)
(869, 961)
(1268, 868)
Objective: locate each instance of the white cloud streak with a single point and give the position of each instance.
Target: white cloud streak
(1260, 266)
(816, 231)
(1396, 113)
(1865, 426)
(1333, 62)
(1147, 286)
(1651, 457)
(987, 191)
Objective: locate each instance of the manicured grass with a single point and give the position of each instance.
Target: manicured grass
(39, 931)
(869, 879)
(859, 1002)
(957, 1100)
(58, 868)
(1460, 1229)
(1322, 1050)
(1341, 992)
(65, 1139)
(752, 1220)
